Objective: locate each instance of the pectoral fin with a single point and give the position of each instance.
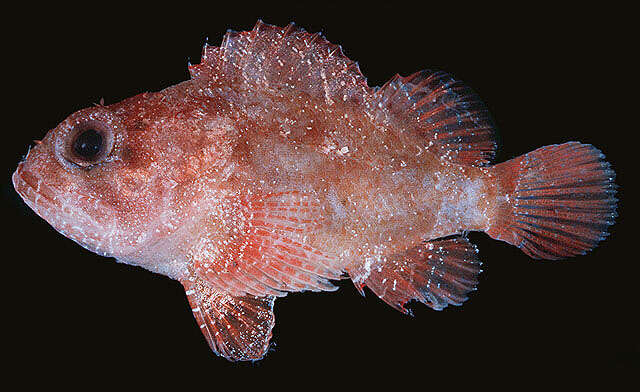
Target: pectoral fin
(266, 252)
(236, 328)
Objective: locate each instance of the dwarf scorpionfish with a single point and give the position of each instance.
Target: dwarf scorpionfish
(277, 169)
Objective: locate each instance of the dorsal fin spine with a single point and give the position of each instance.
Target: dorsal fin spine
(314, 36)
(288, 57)
(288, 29)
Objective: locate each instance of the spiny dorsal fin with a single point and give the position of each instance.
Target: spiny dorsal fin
(449, 114)
(278, 58)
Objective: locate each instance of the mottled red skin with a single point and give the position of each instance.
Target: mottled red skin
(276, 169)
(167, 142)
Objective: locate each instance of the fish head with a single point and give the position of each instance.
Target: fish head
(72, 179)
(114, 178)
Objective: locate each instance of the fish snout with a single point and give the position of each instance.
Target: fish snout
(56, 205)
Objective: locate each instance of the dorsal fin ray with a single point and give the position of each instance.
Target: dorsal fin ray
(283, 58)
(455, 122)
(448, 114)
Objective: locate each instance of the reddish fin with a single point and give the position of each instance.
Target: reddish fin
(286, 58)
(559, 201)
(452, 118)
(266, 251)
(437, 273)
(236, 328)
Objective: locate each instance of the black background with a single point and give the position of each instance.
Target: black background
(548, 75)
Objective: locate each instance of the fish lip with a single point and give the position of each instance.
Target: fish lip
(42, 200)
(38, 197)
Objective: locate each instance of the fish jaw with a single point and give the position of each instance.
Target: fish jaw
(89, 221)
(56, 206)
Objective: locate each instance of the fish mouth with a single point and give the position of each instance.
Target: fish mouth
(47, 203)
(40, 197)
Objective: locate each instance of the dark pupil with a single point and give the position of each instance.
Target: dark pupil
(88, 144)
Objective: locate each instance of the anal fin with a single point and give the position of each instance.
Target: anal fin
(236, 328)
(437, 273)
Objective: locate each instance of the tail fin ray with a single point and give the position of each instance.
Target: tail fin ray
(559, 201)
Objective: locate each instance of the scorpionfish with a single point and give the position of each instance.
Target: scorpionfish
(275, 168)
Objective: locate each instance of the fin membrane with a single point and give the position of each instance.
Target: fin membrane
(455, 123)
(280, 58)
(453, 120)
(437, 273)
(236, 328)
(266, 251)
(560, 200)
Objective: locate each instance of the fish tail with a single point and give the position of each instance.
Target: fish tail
(555, 202)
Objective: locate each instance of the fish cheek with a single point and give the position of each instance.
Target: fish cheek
(133, 188)
(127, 155)
(126, 205)
(130, 172)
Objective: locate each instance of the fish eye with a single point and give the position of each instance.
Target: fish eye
(88, 144)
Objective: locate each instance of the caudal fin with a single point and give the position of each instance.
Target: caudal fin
(556, 201)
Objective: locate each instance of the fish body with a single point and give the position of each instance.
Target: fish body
(277, 169)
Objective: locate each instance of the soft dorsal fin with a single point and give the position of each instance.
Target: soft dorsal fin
(449, 114)
(277, 58)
